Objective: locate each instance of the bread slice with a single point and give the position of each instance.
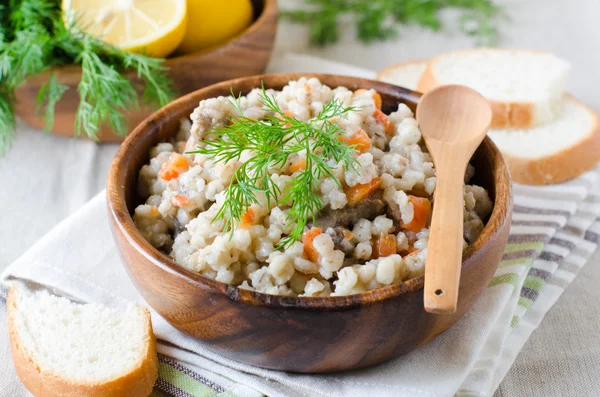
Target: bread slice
(556, 152)
(560, 150)
(403, 74)
(61, 348)
(525, 88)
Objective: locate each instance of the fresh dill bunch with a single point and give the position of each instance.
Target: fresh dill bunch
(25, 48)
(34, 38)
(273, 140)
(380, 19)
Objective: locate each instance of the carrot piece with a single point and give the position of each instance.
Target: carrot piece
(419, 192)
(248, 219)
(298, 164)
(384, 245)
(175, 165)
(287, 112)
(360, 140)
(180, 201)
(348, 235)
(422, 208)
(382, 119)
(412, 252)
(307, 239)
(154, 210)
(356, 193)
(376, 97)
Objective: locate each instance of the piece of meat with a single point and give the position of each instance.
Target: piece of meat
(351, 261)
(369, 208)
(395, 215)
(343, 239)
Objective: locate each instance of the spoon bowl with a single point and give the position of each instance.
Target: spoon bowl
(454, 120)
(465, 110)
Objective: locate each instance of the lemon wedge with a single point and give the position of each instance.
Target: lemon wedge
(152, 27)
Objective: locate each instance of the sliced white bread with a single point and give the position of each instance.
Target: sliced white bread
(560, 150)
(61, 348)
(403, 74)
(525, 88)
(556, 152)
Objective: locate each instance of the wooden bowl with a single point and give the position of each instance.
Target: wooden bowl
(245, 55)
(300, 334)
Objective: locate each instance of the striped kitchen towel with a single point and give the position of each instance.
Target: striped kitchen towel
(562, 239)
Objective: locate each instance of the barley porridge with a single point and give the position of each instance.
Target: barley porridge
(234, 216)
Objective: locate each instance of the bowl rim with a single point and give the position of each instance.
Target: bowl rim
(117, 208)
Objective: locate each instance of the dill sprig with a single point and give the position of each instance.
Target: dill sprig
(7, 121)
(34, 37)
(380, 19)
(98, 82)
(272, 140)
(47, 98)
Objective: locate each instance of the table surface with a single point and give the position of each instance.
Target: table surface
(46, 178)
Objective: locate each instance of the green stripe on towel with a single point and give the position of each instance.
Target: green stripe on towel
(515, 247)
(183, 382)
(534, 283)
(525, 302)
(524, 260)
(514, 321)
(510, 278)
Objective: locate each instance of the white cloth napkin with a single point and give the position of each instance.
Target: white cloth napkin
(78, 259)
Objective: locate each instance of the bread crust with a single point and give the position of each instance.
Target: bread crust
(504, 114)
(567, 164)
(136, 383)
(383, 72)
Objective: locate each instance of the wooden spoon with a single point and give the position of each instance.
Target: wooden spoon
(453, 120)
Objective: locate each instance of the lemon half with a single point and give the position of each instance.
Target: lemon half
(214, 22)
(152, 27)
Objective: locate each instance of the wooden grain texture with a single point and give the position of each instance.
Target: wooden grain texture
(299, 334)
(454, 120)
(246, 55)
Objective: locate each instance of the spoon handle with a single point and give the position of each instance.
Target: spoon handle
(444, 250)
